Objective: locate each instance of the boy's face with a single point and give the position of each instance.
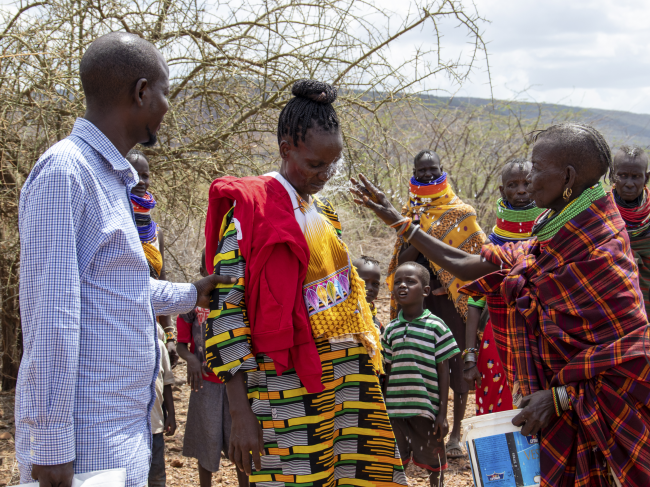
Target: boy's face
(372, 276)
(141, 165)
(515, 185)
(408, 288)
(630, 176)
(427, 169)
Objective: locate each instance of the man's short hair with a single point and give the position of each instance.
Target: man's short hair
(113, 64)
(421, 271)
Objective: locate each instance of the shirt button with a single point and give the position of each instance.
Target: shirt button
(31, 452)
(31, 438)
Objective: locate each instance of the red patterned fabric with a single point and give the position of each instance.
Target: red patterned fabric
(572, 314)
(494, 394)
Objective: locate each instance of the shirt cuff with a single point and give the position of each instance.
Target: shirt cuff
(171, 298)
(51, 446)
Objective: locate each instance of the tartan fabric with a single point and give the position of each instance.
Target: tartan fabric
(641, 250)
(573, 315)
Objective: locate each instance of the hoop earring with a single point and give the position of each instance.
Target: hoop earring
(567, 194)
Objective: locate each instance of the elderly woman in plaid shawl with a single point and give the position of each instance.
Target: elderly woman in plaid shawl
(567, 313)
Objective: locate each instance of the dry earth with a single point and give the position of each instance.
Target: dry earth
(181, 471)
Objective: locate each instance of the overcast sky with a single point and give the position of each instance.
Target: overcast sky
(588, 53)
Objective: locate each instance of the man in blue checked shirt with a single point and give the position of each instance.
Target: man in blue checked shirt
(87, 379)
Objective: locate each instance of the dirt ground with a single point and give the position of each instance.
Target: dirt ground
(182, 472)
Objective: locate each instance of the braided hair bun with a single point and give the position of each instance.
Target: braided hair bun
(315, 91)
(311, 106)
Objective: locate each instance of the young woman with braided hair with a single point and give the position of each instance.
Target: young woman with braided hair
(296, 323)
(567, 314)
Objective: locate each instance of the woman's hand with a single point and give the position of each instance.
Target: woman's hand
(368, 195)
(537, 412)
(472, 375)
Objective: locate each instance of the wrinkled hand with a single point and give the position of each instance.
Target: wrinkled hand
(368, 195)
(537, 412)
(472, 375)
(170, 425)
(245, 438)
(53, 475)
(205, 286)
(441, 426)
(195, 373)
(173, 354)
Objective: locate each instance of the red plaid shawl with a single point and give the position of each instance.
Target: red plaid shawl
(573, 315)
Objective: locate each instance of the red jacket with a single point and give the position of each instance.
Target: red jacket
(277, 256)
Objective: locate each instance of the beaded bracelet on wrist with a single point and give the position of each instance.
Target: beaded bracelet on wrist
(170, 336)
(556, 401)
(468, 350)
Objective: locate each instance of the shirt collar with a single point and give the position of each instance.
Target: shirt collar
(97, 140)
(425, 314)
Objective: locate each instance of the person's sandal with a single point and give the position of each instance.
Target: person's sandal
(454, 445)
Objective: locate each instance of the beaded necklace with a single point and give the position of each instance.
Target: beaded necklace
(513, 224)
(636, 215)
(147, 228)
(549, 223)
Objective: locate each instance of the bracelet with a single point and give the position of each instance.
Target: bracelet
(405, 227)
(469, 368)
(555, 402)
(470, 357)
(415, 228)
(397, 223)
(563, 398)
(468, 350)
(169, 335)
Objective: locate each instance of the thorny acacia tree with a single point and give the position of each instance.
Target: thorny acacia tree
(232, 66)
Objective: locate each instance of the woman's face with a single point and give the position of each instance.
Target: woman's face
(548, 176)
(630, 176)
(309, 165)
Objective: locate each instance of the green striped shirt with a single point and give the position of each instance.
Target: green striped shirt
(413, 350)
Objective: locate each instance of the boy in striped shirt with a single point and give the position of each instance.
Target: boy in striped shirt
(417, 347)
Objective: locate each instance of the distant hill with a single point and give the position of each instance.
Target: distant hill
(618, 127)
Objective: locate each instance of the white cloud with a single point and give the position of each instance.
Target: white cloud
(589, 53)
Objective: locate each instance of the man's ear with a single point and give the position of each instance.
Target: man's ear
(141, 86)
(427, 290)
(647, 176)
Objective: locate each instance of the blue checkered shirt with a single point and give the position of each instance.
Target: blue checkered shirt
(87, 379)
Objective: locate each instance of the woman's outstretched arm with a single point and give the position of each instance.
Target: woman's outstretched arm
(465, 267)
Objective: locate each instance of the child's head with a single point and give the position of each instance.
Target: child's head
(514, 182)
(630, 172)
(411, 284)
(203, 270)
(140, 163)
(426, 166)
(368, 270)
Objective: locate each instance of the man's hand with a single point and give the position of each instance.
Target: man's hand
(245, 438)
(441, 426)
(472, 375)
(53, 475)
(537, 412)
(195, 373)
(205, 286)
(173, 354)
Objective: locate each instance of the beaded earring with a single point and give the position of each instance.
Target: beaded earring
(567, 194)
